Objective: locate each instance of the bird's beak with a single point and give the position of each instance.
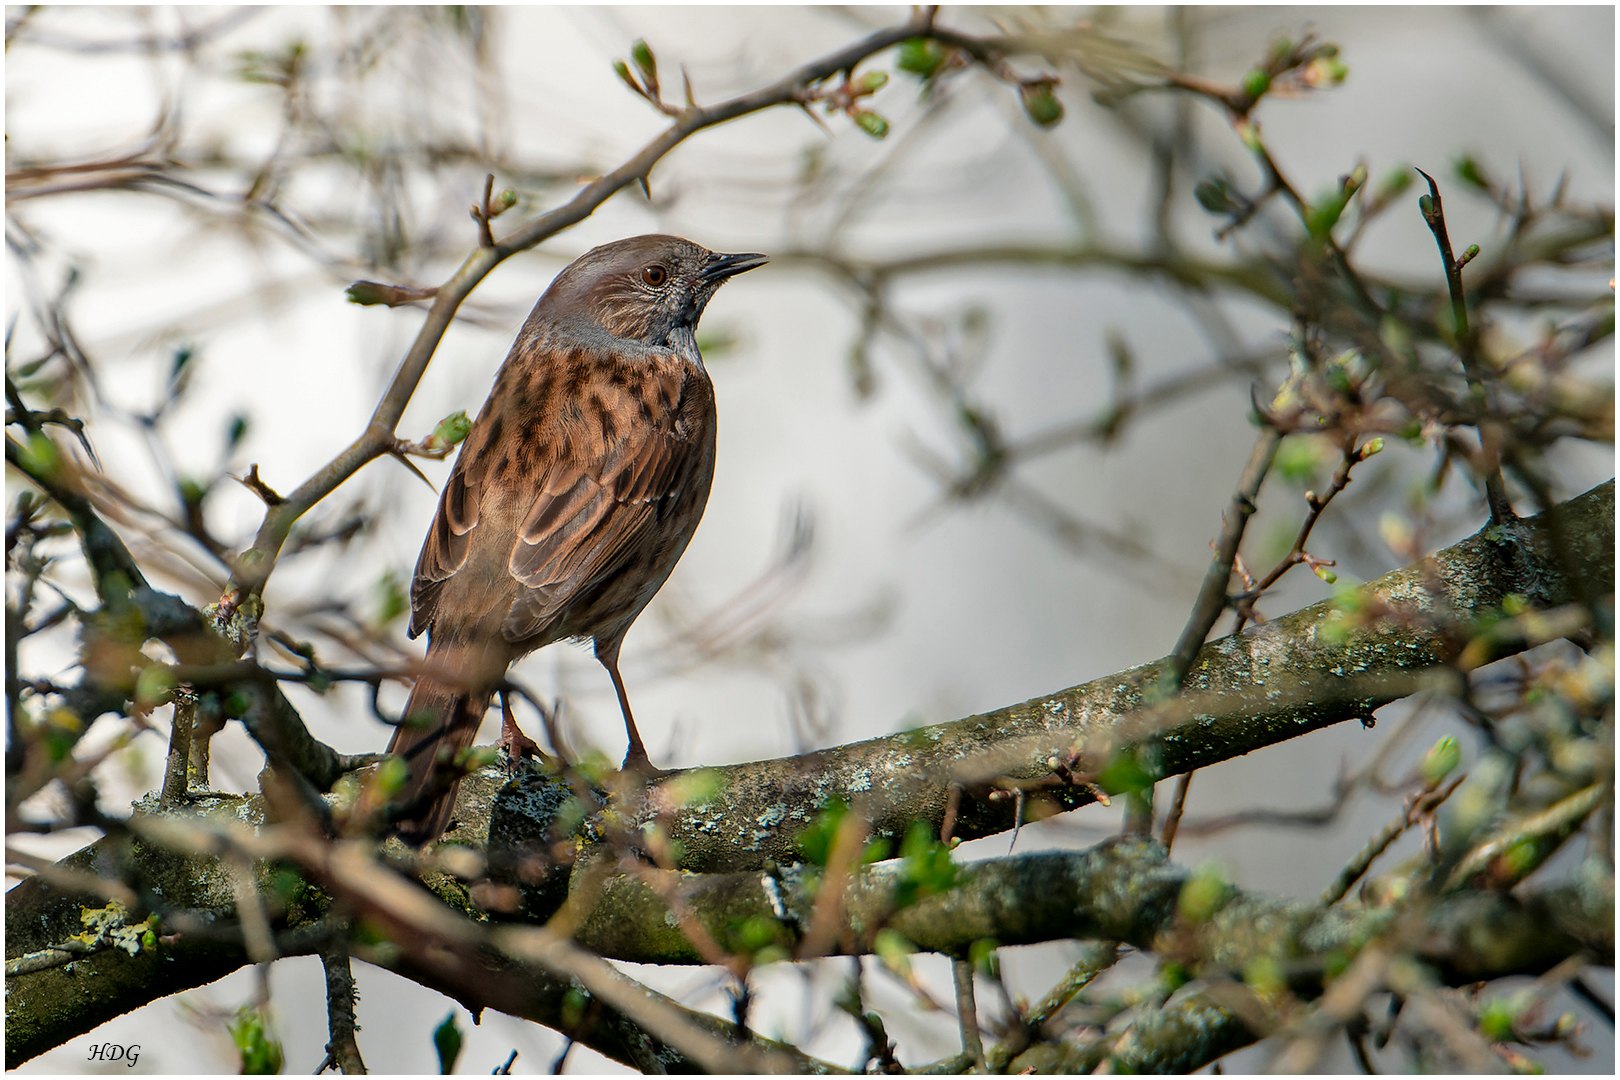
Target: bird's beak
(724, 266)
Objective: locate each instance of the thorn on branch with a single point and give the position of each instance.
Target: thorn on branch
(263, 490)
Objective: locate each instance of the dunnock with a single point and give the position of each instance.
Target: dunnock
(573, 496)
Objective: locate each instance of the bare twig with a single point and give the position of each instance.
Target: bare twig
(967, 1013)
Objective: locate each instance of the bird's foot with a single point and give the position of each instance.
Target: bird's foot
(516, 745)
(643, 767)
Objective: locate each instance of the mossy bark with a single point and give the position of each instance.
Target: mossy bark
(1271, 683)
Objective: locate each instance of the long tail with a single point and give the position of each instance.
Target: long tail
(443, 720)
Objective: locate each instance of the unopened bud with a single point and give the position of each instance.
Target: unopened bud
(1040, 104)
(646, 62)
(1442, 757)
(871, 123)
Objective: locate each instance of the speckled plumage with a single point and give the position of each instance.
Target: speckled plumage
(574, 495)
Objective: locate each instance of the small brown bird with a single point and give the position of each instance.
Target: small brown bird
(574, 495)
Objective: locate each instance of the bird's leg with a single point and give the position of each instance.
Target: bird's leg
(635, 758)
(516, 744)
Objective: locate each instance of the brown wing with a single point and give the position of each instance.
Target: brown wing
(445, 548)
(599, 501)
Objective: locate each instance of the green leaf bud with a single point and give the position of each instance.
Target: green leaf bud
(368, 293)
(1203, 894)
(447, 1041)
(1470, 172)
(894, 949)
(871, 123)
(1041, 104)
(922, 57)
(390, 776)
(1265, 976)
(872, 80)
(1370, 447)
(1496, 1021)
(1395, 181)
(1214, 195)
(646, 62)
(1256, 82)
(1325, 573)
(1442, 757)
(622, 70)
(449, 432)
(154, 685)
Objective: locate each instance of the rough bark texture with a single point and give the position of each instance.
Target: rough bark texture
(1270, 683)
(1273, 682)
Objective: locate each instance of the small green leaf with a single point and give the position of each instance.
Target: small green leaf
(871, 123)
(927, 868)
(182, 359)
(1040, 103)
(237, 430)
(154, 685)
(449, 432)
(1265, 976)
(922, 57)
(622, 70)
(573, 1007)
(699, 787)
(1442, 757)
(390, 599)
(1321, 216)
(871, 81)
(192, 493)
(1256, 82)
(1496, 1021)
(1469, 171)
(1330, 71)
(261, 1052)
(1215, 195)
(391, 775)
(1426, 206)
(1301, 457)
(447, 1041)
(39, 455)
(368, 293)
(1370, 447)
(815, 842)
(646, 62)
(1205, 893)
(1393, 182)
(895, 950)
(755, 933)
(1123, 773)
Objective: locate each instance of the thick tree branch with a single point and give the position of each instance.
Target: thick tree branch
(1123, 891)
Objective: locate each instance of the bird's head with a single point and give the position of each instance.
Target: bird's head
(649, 289)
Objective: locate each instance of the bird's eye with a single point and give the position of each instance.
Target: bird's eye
(654, 275)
